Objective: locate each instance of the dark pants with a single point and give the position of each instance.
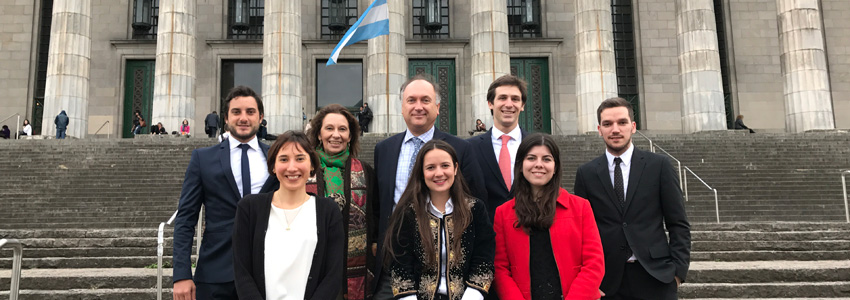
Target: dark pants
(215, 291)
(637, 284)
(211, 131)
(60, 133)
(364, 127)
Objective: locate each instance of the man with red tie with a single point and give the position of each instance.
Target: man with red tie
(506, 98)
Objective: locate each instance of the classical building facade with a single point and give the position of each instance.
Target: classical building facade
(686, 65)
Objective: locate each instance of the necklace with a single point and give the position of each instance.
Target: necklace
(293, 217)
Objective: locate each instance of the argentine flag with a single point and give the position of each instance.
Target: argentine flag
(373, 23)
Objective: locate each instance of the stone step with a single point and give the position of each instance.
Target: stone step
(771, 245)
(755, 255)
(84, 262)
(100, 294)
(88, 278)
(769, 271)
(817, 290)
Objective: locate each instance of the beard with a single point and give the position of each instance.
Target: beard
(618, 149)
(247, 136)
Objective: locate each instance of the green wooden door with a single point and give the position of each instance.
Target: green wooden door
(535, 71)
(138, 93)
(443, 72)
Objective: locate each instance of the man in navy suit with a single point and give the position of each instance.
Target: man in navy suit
(506, 98)
(217, 177)
(394, 157)
(635, 196)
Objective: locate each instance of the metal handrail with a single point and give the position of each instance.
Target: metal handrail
(844, 186)
(17, 125)
(716, 201)
(652, 148)
(160, 240)
(101, 127)
(17, 257)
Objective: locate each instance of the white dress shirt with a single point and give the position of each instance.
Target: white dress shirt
(288, 254)
(402, 174)
(259, 168)
(442, 288)
(625, 168)
(513, 145)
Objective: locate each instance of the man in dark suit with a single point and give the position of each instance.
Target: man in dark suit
(394, 158)
(506, 98)
(635, 195)
(211, 124)
(217, 177)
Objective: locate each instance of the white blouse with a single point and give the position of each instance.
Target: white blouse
(289, 253)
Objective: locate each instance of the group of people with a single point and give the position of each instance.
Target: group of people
(158, 129)
(436, 217)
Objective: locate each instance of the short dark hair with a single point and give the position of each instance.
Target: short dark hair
(241, 91)
(508, 80)
(300, 139)
(353, 127)
(427, 78)
(612, 103)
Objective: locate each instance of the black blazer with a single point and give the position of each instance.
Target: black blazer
(497, 192)
(653, 200)
(386, 163)
(249, 237)
(209, 181)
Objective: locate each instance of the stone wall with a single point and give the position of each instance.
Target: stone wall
(837, 32)
(17, 59)
(658, 59)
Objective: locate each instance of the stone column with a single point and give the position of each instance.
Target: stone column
(174, 81)
(596, 71)
(491, 57)
(282, 66)
(808, 101)
(703, 106)
(68, 63)
(387, 112)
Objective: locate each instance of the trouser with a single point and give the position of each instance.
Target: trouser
(60, 133)
(215, 291)
(212, 131)
(638, 284)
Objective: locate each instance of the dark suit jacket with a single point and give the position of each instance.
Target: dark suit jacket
(653, 200)
(209, 181)
(497, 192)
(386, 164)
(249, 244)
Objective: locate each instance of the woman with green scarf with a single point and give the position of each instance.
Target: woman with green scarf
(335, 135)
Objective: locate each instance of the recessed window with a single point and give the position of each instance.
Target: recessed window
(241, 72)
(624, 54)
(341, 83)
(431, 19)
(337, 17)
(145, 19)
(245, 19)
(524, 18)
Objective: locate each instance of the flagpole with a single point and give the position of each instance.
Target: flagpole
(388, 83)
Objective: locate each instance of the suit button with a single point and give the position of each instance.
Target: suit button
(622, 247)
(624, 225)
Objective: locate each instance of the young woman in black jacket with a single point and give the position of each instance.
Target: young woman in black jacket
(288, 244)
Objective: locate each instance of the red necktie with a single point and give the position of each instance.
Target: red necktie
(505, 161)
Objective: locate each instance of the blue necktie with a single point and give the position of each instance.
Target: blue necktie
(417, 144)
(246, 170)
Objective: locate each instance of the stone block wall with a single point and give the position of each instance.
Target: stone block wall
(17, 59)
(658, 61)
(837, 32)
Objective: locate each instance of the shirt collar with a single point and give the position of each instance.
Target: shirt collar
(436, 212)
(254, 143)
(515, 134)
(626, 156)
(425, 137)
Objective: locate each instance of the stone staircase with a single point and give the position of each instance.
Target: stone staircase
(87, 212)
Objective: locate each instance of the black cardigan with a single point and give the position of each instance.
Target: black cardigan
(249, 234)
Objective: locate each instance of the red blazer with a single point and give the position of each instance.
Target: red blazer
(575, 243)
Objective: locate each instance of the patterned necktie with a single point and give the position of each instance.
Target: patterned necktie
(618, 182)
(417, 144)
(505, 161)
(246, 170)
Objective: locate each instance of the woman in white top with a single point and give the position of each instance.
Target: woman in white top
(288, 245)
(440, 242)
(27, 128)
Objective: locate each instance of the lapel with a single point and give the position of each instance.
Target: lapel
(485, 147)
(224, 158)
(635, 172)
(605, 178)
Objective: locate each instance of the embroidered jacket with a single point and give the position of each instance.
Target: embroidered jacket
(471, 266)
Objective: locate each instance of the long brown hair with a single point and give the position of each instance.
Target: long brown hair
(353, 128)
(416, 195)
(536, 211)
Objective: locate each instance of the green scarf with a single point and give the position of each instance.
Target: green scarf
(332, 166)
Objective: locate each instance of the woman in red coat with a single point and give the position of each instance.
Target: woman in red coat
(548, 228)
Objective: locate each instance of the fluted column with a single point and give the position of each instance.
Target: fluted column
(68, 63)
(808, 101)
(174, 81)
(490, 52)
(387, 111)
(282, 65)
(596, 71)
(703, 106)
